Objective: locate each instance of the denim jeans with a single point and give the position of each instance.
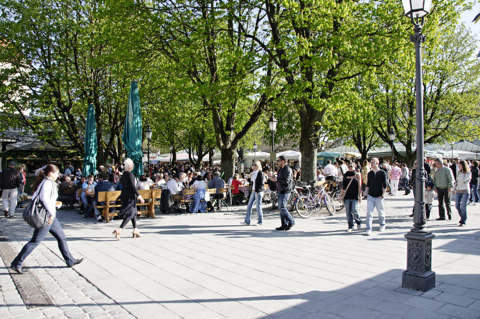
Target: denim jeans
(444, 198)
(287, 219)
(86, 200)
(38, 235)
(406, 181)
(255, 197)
(474, 194)
(9, 200)
(372, 203)
(461, 205)
(352, 212)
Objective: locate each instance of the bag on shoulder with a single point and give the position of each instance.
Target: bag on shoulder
(36, 215)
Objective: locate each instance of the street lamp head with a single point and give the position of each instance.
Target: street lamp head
(272, 123)
(416, 9)
(391, 135)
(148, 133)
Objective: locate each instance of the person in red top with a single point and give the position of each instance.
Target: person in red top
(235, 184)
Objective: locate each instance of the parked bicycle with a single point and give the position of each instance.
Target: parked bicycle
(312, 200)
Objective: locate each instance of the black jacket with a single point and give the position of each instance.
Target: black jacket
(10, 178)
(129, 193)
(259, 182)
(285, 180)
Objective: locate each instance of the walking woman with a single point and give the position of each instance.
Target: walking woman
(129, 198)
(462, 189)
(46, 187)
(258, 180)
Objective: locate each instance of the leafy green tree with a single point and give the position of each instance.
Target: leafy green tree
(451, 86)
(55, 69)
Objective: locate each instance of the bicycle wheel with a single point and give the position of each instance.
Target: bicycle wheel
(291, 202)
(329, 204)
(303, 208)
(336, 197)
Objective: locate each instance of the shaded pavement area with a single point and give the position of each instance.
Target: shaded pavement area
(208, 266)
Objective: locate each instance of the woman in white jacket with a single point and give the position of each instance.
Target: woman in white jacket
(462, 189)
(45, 187)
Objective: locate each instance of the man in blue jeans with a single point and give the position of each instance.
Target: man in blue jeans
(284, 187)
(376, 188)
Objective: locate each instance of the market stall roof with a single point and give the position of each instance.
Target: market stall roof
(290, 155)
(39, 149)
(347, 150)
(464, 146)
(258, 155)
(218, 156)
(330, 154)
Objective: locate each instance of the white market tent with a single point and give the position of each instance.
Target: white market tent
(218, 156)
(261, 156)
(290, 155)
(464, 146)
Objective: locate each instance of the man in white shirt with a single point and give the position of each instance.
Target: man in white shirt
(173, 185)
(330, 171)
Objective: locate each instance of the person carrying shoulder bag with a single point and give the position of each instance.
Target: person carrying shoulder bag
(46, 188)
(351, 195)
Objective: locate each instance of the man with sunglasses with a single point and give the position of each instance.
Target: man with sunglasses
(284, 187)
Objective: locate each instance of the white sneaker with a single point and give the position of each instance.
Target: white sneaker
(350, 230)
(382, 228)
(359, 226)
(368, 233)
(257, 224)
(99, 217)
(244, 224)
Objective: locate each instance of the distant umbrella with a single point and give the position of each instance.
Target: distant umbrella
(132, 133)
(90, 159)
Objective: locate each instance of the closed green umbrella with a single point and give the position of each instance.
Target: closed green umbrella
(132, 133)
(90, 159)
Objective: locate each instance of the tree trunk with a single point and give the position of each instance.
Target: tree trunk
(228, 163)
(309, 141)
(210, 159)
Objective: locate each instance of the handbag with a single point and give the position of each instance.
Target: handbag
(36, 215)
(345, 193)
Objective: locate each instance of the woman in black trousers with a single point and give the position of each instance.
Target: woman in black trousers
(129, 198)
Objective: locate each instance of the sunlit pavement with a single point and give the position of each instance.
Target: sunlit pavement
(209, 266)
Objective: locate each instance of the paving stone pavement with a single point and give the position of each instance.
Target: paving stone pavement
(208, 266)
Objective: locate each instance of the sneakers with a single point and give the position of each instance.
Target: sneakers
(99, 217)
(244, 224)
(368, 233)
(349, 230)
(382, 228)
(359, 226)
(257, 224)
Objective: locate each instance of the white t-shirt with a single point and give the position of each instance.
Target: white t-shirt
(199, 185)
(173, 187)
(330, 170)
(253, 178)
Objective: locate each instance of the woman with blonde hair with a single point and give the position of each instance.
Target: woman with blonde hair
(258, 180)
(129, 198)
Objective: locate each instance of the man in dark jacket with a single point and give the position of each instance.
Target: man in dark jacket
(217, 183)
(11, 181)
(284, 187)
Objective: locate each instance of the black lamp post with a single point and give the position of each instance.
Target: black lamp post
(391, 137)
(171, 153)
(148, 135)
(272, 124)
(254, 151)
(453, 144)
(419, 274)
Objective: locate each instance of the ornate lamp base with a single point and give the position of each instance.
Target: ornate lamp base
(419, 274)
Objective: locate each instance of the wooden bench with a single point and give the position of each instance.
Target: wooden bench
(110, 199)
(147, 194)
